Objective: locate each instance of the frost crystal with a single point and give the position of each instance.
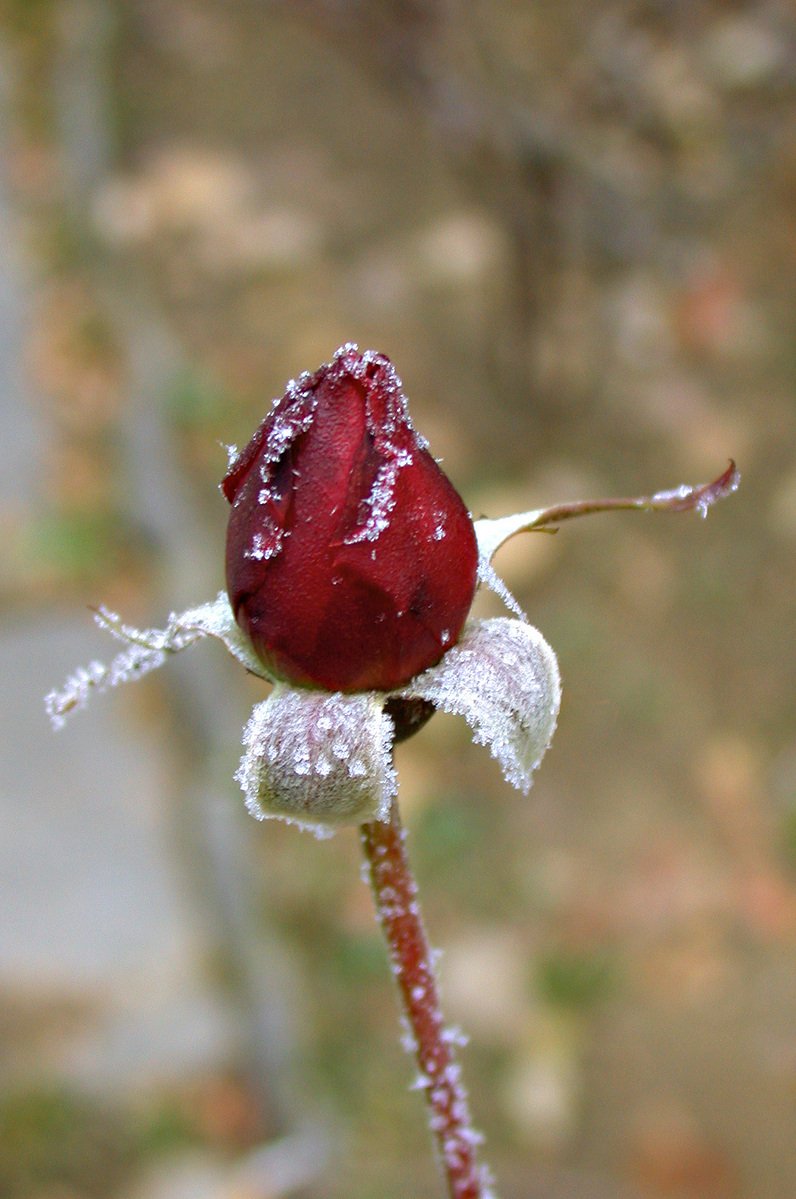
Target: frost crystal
(376, 508)
(318, 760)
(75, 693)
(440, 529)
(491, 579)
(287, 425)
(147, 649)
(503, 678)
(217, 619)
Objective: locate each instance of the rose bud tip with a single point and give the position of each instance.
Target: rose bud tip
(351, 559)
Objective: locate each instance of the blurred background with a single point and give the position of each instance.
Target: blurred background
(573, 228)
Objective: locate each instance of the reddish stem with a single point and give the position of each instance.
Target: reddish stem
(395, 893)
(680, 499)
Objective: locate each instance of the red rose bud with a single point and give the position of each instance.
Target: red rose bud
(351, 559)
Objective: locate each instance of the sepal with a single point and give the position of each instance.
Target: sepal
(146, 650)
(492, 534)
(503, 678)
(318, 760)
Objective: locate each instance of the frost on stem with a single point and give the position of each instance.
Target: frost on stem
(425, 1035)
(700, 498)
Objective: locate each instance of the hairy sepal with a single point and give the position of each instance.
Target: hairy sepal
(318, 760)
(503, 678)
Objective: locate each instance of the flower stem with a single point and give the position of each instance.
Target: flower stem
(395, 894)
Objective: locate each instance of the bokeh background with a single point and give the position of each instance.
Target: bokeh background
(573, 228)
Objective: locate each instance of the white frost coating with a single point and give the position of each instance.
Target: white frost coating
(673, 493)
(76, 691)
(147, 649)
(503, 678)
(267, 543)
(454, 1036)
(491, 534)
(703, 504)
(216, 619)
(491, 579)
(318, 760)
(379, 503)
(286, 426)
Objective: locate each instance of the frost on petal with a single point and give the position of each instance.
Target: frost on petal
(146, 650)
(503, 678)
(318, 760)
(379, 503)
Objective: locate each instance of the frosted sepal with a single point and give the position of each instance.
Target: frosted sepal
(216, 619)
(489, 577)
(318, 760)
(502, 677)
(147, 649)
(491, 534)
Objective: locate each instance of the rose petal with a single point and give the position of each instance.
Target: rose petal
(318, 760)
(502, 677)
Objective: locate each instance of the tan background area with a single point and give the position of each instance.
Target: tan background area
(572, 227)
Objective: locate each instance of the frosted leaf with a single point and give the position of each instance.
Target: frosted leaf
(502, 677)
(700, 498)
(132, 663)
(318, 760)
(490, 535)
(75, 693)
(147, 649)
(214, 619)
